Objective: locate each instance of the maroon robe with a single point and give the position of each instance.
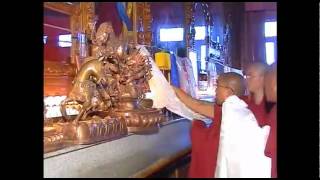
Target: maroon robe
(204, 144)
(259, 110)
(271, 147)
(205, 140)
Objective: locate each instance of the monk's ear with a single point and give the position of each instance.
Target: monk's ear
(230, 92)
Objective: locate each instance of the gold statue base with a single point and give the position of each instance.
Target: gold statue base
(139, 118)
(53, 139)
(94, 130)
(90, 131)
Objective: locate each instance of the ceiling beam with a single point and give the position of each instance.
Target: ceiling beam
(60, 7)
(57, 27)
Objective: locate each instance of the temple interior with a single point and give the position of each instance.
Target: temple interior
(109, 67)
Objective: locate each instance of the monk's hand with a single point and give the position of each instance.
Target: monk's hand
(174, 88)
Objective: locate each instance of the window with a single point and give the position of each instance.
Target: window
(81, 38)
(270, 33)
(203, 57)
(270, 52)
(52, 107)
(64, 40)
(193, 58)
(171, 34)
(200, 33)
(270, 29)
(45, 39)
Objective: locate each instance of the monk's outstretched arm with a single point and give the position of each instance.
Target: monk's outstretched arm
(201, 107)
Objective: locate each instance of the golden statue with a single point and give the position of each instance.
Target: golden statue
(97, 77)
(110, 88)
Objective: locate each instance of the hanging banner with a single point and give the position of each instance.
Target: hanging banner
(123, 15)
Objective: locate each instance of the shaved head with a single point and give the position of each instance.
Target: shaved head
(271, 83)
(258, 67)
(255, 73)
(234, 81)
(229, 84)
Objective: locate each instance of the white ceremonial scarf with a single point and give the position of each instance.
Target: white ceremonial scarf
(163, 94)
(242, 143)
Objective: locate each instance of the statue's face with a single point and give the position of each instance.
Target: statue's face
(92, 25)
(104, 32)
(109, 29)
(103, 37)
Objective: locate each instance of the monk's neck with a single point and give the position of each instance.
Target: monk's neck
(257, 97)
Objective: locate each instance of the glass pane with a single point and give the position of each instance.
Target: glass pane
(171, 34)
(81, 38)
(193, 58)
(64, 44)
(203, 57)
(64, 40)
(200, 32)
(65, 37)
(45, 38)
(270, 52)
(270, 29)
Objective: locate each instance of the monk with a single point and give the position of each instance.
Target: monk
(271, 95)
(201, 164)
(207, 139)
(254, 76)
(204, 141)
(242, 140)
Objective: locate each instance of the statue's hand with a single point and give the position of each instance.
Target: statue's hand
(102, 81)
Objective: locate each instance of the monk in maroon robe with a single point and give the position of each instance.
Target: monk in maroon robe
(271, 95)
(205, 140)
(255, 77)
